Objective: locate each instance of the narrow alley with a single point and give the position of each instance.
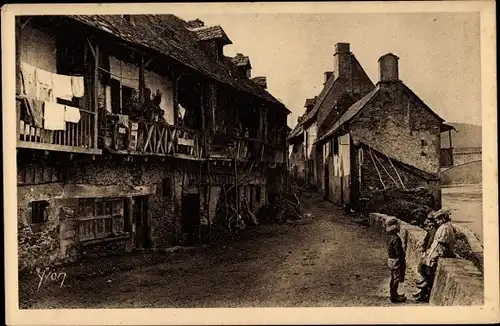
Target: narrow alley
(330, 261)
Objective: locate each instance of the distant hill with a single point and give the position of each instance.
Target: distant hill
(467, 136)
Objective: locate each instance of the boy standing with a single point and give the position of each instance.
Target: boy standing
(397, 260)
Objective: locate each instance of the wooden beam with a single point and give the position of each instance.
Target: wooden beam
(141, 80)
(58, 148)
(95, 94)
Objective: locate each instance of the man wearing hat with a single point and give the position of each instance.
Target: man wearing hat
(442, 246)
(397, 260)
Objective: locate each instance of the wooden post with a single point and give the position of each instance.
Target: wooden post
(130, 223)
(449, 135)
(95, 93)
(141, 80)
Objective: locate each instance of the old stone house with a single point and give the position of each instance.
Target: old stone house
(389, 138)
(346, 84)
(135, 132)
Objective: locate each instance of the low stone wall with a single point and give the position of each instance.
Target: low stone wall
(411, 235)
(476, 255)
(457, 281)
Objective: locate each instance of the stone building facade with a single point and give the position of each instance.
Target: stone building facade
(389, 138)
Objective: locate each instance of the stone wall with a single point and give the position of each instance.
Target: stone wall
(457, 283)
(397, 124)
(56, 240)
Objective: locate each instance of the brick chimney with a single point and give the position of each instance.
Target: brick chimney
(328, 74)
(342, 60)
(388, 67)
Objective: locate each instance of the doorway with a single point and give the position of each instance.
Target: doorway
(190, 217)
(141, 220)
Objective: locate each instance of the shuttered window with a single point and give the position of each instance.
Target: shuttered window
(101, 218)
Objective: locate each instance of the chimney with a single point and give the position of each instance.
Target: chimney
(261, 81)
(342, 60)
(243, 64)
(197, 23)
(328, 74)
(388, 65)
(309, 104)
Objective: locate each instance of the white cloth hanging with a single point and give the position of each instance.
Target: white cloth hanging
(62, 87)
(54, 116)
(71, 114)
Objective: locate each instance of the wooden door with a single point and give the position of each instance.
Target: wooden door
(141, 221)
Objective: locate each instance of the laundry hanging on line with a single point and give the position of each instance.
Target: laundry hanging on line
(71, 114)
(62, 85)
(54, 116)
(28, 80)
(78, 86)
(44, 85)
(32, 112)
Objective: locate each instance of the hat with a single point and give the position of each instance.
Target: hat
(392, 224)
(443, 213)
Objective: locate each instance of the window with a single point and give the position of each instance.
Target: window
(100, 218)
(167, 187)
(39, 211)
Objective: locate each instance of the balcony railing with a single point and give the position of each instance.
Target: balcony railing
(249, 149)
(446, 157)
(155, 138)
(78, 137)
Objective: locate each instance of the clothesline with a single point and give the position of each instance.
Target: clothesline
(121, 77)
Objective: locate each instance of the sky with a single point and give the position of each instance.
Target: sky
(439, 53)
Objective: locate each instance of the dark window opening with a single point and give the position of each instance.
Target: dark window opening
(167, 187)
(39, 211)
(335, 147)
(115, 96)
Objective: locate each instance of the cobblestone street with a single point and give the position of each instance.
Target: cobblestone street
(332, 261)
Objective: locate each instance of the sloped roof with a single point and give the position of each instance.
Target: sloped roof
(169, 35)
(408, 89)
(206, 33)
(296, 132)
(321, 97)
(408, 167)
(358, 106)
(351, 112)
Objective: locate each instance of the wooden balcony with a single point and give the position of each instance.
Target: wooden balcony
(446, 157)
(154, 138)
(249, 149)
(77, 138)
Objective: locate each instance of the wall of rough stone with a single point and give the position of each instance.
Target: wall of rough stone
(396, 123)
(56, 240)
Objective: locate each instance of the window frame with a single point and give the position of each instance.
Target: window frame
(40, 207)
